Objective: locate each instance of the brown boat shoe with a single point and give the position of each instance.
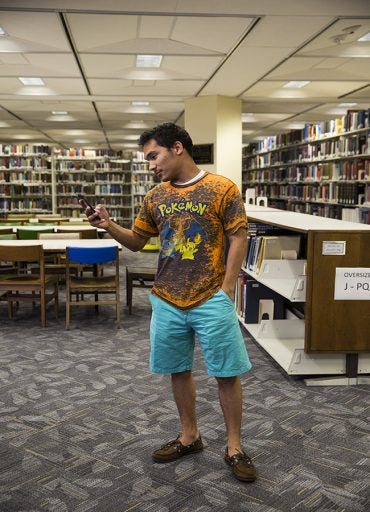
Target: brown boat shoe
(241, 465)
(175, 449)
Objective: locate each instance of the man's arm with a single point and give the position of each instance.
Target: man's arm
(126, 237)
(235, 257)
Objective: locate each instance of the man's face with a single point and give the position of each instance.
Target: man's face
(162, 161)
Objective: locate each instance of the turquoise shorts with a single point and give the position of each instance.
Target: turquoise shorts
(172, 337)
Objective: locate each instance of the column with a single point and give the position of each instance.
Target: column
(217, 120)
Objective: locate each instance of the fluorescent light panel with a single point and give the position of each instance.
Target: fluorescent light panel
(347, 104)
(148, 61)
(140, 103)
(2, 32)
(59, 113)
(296, 84)
(364, 38)
(28, 80)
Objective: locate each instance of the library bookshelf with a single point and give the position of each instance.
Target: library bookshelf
(25, 179)
(142, 180)
(320, 334)
(38, 179)
(323, 169)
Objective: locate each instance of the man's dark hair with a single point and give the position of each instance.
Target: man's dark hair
(166, 135)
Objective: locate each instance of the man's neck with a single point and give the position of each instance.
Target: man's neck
(194, 177)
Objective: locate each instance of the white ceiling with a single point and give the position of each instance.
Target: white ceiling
(85, 52)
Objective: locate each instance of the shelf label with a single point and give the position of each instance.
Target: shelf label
(352, 284)
(334, 248)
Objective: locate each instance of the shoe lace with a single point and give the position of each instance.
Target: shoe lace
(240, 457)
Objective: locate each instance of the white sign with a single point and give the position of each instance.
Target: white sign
(334, 248)
(352, 284)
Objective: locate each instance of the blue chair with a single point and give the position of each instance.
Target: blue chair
(79, 286)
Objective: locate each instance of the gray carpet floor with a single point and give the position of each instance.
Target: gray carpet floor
(80, 415)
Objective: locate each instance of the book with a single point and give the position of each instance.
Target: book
(254, 292)
(278, 247)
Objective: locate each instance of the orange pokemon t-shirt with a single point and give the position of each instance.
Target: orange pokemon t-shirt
(191, 221)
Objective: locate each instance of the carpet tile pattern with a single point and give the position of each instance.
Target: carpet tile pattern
(80, 414)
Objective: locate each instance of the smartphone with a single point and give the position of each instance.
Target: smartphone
(85, 204)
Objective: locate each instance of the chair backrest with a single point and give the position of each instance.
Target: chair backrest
(6, 231)
(6, 222)
(49, 221)
(28, 253)
(32, 234)
(92, 255)
(48, 216)
(77, 222)
(85, 233)
(8, 236)
(60, 236)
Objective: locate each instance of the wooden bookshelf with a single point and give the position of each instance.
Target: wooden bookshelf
(328, 335)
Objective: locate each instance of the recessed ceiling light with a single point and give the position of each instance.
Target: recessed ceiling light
(59, 113)
(2, 32)
(140, 103)
(364, 38)
(148, 61)
(296, 84)
(28, 80)
(347, 104)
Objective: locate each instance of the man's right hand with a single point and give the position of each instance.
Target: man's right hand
(100, 218)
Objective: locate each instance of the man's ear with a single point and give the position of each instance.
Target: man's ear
(178, 147)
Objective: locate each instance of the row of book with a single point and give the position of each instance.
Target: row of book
(351, 122)
(24, 149)
(69, 165)
(360, 214)
(352, 170)
(141, 189)
(268, 242)
(307, 154)
(87, 153)
(345, 193)
(16, 189)
(17, 162)
(250, 298)
(11, 177)
(14, 204)
(139, 166)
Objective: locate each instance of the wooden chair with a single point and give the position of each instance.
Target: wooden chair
(8, 236)
(56, 263)
(32, 234)
(63, 235)
(77, 286)
(85, 233)
(6, 231)
(25, 287)
(7, 267)
(138, 277)
(50, 221)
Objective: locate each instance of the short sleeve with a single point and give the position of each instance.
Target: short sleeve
(233, 211)
(144, 223)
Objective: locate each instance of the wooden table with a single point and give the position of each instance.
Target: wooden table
(40, 227)
(62, 244)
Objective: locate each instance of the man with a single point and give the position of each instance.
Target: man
(192, 211)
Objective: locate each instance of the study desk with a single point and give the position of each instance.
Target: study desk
(61, 245)
(41, 227)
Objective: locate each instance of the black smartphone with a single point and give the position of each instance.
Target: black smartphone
(85, 204)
